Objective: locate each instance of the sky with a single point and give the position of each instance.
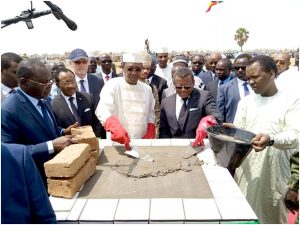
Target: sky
(179, 25)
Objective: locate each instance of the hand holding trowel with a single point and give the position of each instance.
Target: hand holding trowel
(198, 144)
(119, 134)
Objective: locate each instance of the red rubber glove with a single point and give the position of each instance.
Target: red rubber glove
(118, 132)
(204, 123)
(150, 131)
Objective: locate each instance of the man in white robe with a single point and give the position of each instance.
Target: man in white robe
(126, 107)
(274, 117)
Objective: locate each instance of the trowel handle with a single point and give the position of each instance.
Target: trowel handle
(127, 146)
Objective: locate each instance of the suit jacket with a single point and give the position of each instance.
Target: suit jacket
(95, 86)
(21, 123)
(113, 75)
(86, 112)
(206, 77)
(228, 99)
(160, 84)
(23, 196)
(214, 88)
(168, 92)
(200, 104)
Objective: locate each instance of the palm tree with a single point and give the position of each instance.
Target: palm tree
(241, 36)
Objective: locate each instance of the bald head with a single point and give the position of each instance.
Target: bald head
(212, 60)
(282, 60)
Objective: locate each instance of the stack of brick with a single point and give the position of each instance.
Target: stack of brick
(69, 170)
(86, 135)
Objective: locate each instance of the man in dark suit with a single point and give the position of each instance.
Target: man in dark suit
(157, 81)
(72, 106)
(27, 118)
(223, 72)
(232, 92)
(85, 82)
(210, 64)
(106, 67)
(23, 196)
(9, 81)
(182, 112)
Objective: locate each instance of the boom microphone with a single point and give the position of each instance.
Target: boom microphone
(24, 17)
(58, 13)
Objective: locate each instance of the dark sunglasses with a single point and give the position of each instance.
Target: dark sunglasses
(184, 87)
(240, 67)
(106, 61)
(200, 63)
(130, 69)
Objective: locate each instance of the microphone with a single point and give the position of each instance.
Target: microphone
(25, 16)
(58, 13)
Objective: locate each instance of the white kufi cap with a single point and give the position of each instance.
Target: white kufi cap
(132, 57)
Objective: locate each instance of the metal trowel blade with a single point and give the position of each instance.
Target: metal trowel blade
(133, 153)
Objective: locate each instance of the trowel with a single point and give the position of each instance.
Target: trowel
(192, 151)
(132, 152)
(135, 154)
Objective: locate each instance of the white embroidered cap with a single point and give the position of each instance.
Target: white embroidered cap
(132, 57)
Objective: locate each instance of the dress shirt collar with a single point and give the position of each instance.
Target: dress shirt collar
(33, 100)
(5, 90)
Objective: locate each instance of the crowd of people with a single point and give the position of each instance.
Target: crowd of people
(152, 97)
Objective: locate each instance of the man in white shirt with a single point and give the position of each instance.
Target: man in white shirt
(9, 81)
(274, 117)
(87, 83)
(164, 68)
(126, 107)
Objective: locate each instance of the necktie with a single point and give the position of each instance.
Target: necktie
(82, 88)
(107, 77)
(246, 89)
(182, 114)
(74, 110)
(12, 91)
(221, 83)
(47, 120)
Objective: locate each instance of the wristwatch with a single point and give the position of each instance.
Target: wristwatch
(271, 141)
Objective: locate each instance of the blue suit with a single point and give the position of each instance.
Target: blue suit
(23, 196)
(21, 123)
(228, 99)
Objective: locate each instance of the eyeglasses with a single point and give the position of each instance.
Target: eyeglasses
(106, 61)
(130, 69)
(46, 83)
(239, 67)
(184, 87)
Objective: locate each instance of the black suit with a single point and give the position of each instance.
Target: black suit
(160, 84)
(86, 112)
(200, 104)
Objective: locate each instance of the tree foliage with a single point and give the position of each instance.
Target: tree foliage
(241, 36)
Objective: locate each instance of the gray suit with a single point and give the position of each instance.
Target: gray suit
(206, 77)
(200, 104)
(228, 99)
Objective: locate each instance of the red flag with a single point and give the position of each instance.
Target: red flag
(211, 4)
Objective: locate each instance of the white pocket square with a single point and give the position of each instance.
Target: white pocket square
(193, 109)
(86, 110)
